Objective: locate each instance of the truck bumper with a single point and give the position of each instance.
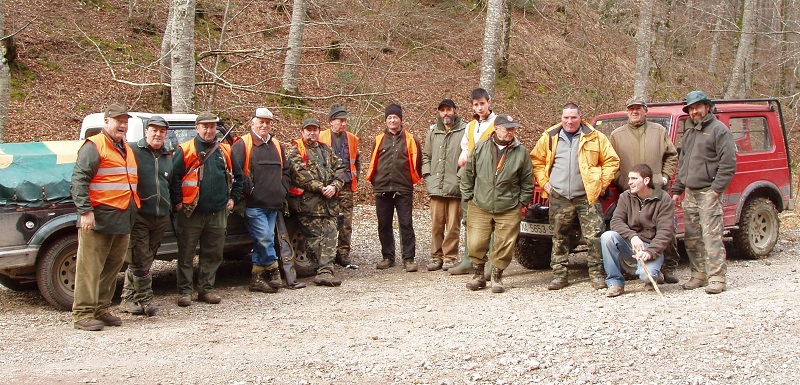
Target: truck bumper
(17, 258)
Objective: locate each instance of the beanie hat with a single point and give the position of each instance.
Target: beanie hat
(337, 111)
(394, 109)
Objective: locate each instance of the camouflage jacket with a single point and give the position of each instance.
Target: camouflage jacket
(311, 175)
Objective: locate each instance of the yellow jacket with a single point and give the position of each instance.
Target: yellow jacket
(597, 160)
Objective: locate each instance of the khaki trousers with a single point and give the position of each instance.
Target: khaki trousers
(100, 258)
(482, 225)
(445, 227)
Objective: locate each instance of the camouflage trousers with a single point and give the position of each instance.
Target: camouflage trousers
(145, 239)
(320, 240)
(345, 222)
(702, 216)
(590, 216)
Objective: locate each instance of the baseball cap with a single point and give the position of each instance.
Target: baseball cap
(115, 110)
(506, 121)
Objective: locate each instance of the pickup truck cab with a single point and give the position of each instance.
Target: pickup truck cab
(760, 189)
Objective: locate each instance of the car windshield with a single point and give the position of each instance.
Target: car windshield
(608, 125)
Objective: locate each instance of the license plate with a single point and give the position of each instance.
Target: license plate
(536, 228)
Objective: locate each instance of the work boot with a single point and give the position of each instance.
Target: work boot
(150, 308)
(89, 324)
(326, 278)
(670, 277)
(274, 274)
(715, 287)
(385, 264)
(497, 281)
(465, 267)
(109, 319)
(695, 283)
(478, 280)
(184, 300)
(410, 266)
(435, 264)
(345, 261)
(128, 306)
(257, 283)
(598, 283)
(209, 297)
(448, 264)
(615, 291)
(558, 283)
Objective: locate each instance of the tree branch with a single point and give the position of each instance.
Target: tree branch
(19, 30)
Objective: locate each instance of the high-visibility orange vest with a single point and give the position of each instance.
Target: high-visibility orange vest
(190, 185)
(471, 134)
(248, 149)
(117, 178)
(412, 156)
(301, 149)
(352, 148)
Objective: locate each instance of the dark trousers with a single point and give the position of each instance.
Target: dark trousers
(385, 206)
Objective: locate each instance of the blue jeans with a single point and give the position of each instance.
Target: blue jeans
(618, 255)
(261, 226)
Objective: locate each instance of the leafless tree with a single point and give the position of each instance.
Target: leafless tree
(737, 82)
(183, 63)
(644, 39)
(5, 74)
(291, 68)
(716, 33)
(494, 24)
(502, 66)
(165, 62)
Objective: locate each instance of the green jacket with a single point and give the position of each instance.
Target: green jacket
(440, 159)
(494, 187)
(155, 175)
(708, 157)
(311, 176)
(214, 188)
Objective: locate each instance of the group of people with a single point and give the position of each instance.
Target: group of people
(477, 174)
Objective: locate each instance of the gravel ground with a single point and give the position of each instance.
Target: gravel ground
(392, 327)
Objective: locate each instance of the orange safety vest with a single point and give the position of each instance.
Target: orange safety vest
(190, 185)
(471, 134)
(248, 149)
(301, 149)
(352, 147)
(412, 156)
(116, 178)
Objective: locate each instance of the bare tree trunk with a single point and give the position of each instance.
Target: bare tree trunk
(494, 22)
(291, 66)
(737, 84)
(713, 57)
(644, 38)
(183, 64)
(793, 47)
(5, 75)
(165, 61)
(502, 67)
(218, 59)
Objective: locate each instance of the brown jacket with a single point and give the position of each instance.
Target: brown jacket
(652, 219)
(649, 144)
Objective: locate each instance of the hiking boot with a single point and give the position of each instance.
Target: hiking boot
(274, 278)
(410, 266)
(109, 319)
(127, 306)
(694, 283)
(184, 300)
(478, 280)
(385, 264)
(615, 291)
(209, 297)
(448, 264)
(326, 278)
(464, 267)
(715, 287)
(257, 283)
(670, 277)
(558, 283)
(497, 281)
(435, 264)
(343, 261)
(89, 324)
(598, 283)
(150, 309)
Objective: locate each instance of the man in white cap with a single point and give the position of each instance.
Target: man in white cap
(266, 182)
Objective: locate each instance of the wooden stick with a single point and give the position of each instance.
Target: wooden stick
(652, 281)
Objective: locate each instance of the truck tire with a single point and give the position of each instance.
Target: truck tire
(758, 229)
(55, 272)
(533, 253)
(15, 284)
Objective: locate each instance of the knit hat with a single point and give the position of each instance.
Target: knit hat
(310, 122)
(157, 120)
(394, 109)
(115, 110)
(446, 102)
(264, 113)
(205, 117)
(636, 101)
(696, 96)
(506, 121)
(337, 111)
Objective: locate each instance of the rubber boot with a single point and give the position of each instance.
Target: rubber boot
(143, 288)
(465, 267)
(127, 287)
(286, 255)
(497, 281)
(478, 279)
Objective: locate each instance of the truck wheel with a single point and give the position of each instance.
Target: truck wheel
(15, 284)
(533, 253)
(55, 272)
(758, 229)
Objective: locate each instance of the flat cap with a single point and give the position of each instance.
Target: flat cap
(115, 110)
(307, 122)
(337, 112)
(205, 117)
(157, 120)
(264, 113)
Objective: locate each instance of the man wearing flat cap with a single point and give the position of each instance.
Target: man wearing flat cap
(440, 171)
(317, 177)
(705, 169)
(104, 189)
(395, 167)
(155, 176)
(644, 142)
(266, 181)
(345, 146)
(497, 181)
(207, 182)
